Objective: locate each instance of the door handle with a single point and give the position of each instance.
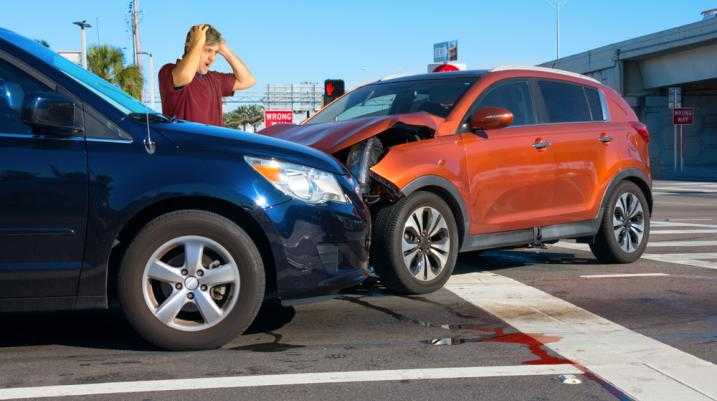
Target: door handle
(541, 144)
(605, 138)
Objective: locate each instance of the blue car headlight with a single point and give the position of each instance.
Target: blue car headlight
(301, 182)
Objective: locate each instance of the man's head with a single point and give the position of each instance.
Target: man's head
(209, 52)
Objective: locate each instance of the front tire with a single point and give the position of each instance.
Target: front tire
(415, 244)
(191, 280)
(625, 226)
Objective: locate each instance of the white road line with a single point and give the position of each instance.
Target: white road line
(684, 189)
(686, 259)
(77, 390)
(642, 367)
(698, 231)
(666, 244)
(625, 275)
(680, 224)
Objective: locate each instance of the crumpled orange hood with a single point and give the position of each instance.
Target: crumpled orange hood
(335, 136)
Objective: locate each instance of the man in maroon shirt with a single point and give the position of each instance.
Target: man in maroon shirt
(189, 90)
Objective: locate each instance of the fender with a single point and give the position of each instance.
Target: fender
(455, 201)
(621, 176)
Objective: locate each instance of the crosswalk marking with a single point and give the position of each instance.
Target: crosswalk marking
(641, 367)
(627, 275)
(666, 244)
(686, 259)
(669, 232)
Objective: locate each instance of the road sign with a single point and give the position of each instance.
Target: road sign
(683, 116)
(674, 97)
(446, 67)
(445, 51)
(272, 117)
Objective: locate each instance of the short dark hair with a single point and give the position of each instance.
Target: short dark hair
(213, 38)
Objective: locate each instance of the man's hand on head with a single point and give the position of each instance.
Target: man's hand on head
(224, 48)
(198, 36)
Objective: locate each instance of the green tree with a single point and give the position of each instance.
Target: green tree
(244, 115)
(108, 62)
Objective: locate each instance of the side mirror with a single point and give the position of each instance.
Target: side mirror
(490, 118)
(52, 112)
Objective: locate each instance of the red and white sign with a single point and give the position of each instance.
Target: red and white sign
(272, 117)
(446, 67)
(683, 116)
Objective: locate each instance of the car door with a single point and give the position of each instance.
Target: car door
(510, 171)
(580, 142)
(43, 196)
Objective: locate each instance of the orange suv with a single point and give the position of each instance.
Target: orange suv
(465, 161)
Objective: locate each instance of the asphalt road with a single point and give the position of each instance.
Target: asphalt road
(524, 324)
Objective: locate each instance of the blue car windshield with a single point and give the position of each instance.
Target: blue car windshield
(107, 91)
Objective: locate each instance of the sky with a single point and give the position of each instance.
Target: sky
(358, 41)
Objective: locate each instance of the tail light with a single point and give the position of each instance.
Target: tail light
(642, 130)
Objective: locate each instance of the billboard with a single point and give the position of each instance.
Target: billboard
(445, 52)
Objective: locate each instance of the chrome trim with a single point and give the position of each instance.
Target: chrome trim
(49, 137)
(103, 140)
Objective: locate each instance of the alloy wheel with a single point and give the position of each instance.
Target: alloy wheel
(425, 243)
(628, 222)
(191, 283)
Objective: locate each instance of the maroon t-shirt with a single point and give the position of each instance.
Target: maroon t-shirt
(200, 100)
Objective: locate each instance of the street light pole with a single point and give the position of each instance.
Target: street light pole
(83, 41)
(151, 73)
(557, 5)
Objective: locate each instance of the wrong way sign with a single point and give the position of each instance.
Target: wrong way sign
(683, 116)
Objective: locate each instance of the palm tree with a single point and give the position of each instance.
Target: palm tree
(108, 62)
(244, 115)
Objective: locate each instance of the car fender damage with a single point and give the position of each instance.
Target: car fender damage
(362, 143)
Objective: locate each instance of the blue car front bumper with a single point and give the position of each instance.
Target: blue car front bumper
(317, 249)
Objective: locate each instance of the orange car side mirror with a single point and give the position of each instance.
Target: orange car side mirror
(490, 118)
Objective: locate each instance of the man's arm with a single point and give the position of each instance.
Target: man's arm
(243, 78)
(183, 73)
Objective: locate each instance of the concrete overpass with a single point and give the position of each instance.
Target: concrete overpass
(643, 69)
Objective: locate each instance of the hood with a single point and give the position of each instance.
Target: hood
(334, 136)
(191, 137)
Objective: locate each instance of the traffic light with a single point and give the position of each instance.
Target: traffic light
(333, 88)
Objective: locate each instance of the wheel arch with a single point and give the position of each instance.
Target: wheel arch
(221, 207)
(633, 175)
(450, 194)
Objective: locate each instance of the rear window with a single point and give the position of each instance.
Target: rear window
(565, 102)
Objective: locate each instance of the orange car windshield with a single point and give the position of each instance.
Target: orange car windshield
(435, 96)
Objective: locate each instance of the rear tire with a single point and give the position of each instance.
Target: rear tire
(191, 280)
(415, 244)
(625, 227)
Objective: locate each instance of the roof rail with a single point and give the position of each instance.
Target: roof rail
(544, 69)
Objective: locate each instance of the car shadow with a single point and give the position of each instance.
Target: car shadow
(495, 260)
(104, 329)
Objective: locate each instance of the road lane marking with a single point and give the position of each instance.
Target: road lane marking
(686, 259)
(641, 367)
(625, 275)
(680, 224)
(76, 390)
(666, 244)
(699, 231)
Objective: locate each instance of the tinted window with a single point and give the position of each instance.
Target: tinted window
(514, 96)
(15, 86)
(564, 102)
(594, 103)
(435, 96)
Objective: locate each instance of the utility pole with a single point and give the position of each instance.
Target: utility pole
(136, 42)
(557, 5)
(150, 81)
(83, 41)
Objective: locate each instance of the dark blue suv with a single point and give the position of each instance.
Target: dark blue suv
(190, 227)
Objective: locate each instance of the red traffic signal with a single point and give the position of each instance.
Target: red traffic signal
(333, 88)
